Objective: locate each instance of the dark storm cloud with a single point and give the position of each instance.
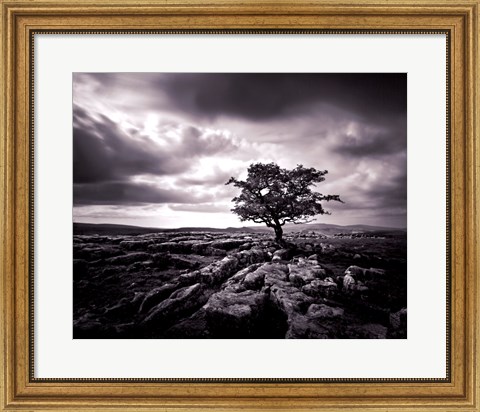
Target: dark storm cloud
(103, 152)
(372, 145)
(129, 193)
(385, 194)
(105, 159)
(391, 194)
(263, 96)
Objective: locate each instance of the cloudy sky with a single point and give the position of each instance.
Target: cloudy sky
(155, 149)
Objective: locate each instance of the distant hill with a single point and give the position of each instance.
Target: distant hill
(113, 229)
(324, 228)
(329, 229)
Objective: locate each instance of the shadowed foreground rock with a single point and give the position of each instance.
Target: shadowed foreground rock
(236, 315)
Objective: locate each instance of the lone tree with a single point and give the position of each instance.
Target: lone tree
(275, 196)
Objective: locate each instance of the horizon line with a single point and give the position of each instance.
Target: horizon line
(238, 227)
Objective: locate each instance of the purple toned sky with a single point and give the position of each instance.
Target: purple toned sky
(155, 149)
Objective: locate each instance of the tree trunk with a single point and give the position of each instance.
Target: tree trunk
(278, 234)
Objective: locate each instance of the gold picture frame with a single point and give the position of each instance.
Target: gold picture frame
(21, 19)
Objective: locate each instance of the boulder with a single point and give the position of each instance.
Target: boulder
(248, 257)
(281, 254)
(235, 282)
(254, 280)
(137, 299)
(201, 248)
(189, 278)
(363, 274)
(306, 327)
(227, 244)
(319, 322)
(235, 315)
(180, 303)
(301, 273)
(289, 299)
(321, 288)
(348, 282)
(219, 271)
(276, 274)
(355, 271)
(321, 311)
(155, 296)
(305, 320)
(245, 246)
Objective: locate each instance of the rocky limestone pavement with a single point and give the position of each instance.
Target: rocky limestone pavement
(275, 274)
(303, 271)
(319, 322)
(217, 285)
(236, 282)
(358, 280)
(129, 259)
(156, 296)
(182, 302)
(92, 252)
(318, 288)
(219, 271)
(201, 246)
(137, 245)
(236, 314)
(252, 297)
(362, 274)
(281, 254)
(304, 308)
(227, 244)
(321, 311)
(172, 247)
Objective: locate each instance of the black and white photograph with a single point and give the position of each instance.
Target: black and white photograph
(239, 205)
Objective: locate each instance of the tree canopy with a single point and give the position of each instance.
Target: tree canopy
(275, 196)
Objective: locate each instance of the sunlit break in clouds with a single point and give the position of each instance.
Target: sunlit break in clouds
(155, 149)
